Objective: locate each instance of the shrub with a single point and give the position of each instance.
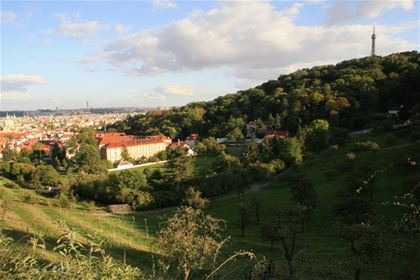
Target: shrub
(11, 185)
(28, 197)
(262, 170)
(88, 206)
(63, 200)
(278, 165)
(350, 156)
(365, 146)
(333, 148)
(43, 201)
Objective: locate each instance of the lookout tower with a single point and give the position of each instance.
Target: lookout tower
(372, 53)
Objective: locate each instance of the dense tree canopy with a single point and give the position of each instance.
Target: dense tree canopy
(347, 95)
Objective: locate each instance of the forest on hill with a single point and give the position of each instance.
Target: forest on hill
(352, 94)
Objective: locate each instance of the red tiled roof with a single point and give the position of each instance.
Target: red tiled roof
(192, 136)
(135, 142)
(277, 133)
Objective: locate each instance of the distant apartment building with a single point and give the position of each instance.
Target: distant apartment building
(112, 145)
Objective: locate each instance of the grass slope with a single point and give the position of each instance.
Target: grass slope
(329, 172)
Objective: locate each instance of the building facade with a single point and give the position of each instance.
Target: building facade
(113, 145)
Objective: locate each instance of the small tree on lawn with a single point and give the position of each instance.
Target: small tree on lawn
(191, 240)
(256, 204)
(288, 223)
(194, 199)
(243, 218)
(271, 233)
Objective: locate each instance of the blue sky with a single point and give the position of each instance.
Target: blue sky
(168, 53)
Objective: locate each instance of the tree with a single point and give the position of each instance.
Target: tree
(37, 152)
(135, 197)
(86, 153)
(47, 175)
(303, 192)
(271, 232)
(194, 199)
(235, 135)
(352, 210)
(290, 150)
(243, 218)
(226, 163)
(256, 203)
(191, 240)
(251, 153)
(180, 168)
(288, 222)
(132, 179)
(362, 240)
(124, 154)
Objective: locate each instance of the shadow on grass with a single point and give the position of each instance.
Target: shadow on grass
(131, 256)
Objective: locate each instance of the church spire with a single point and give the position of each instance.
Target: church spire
(372, 53)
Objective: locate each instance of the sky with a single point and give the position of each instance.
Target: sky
(61, 54)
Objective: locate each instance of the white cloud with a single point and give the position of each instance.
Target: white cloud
(177, 89)
(7, 17)
(173, 92)
(19, 82)
(251, 40)
(341, 11)
(164, 4)
(15, 87)
(78, 30)
(71, 26)
(121, 28)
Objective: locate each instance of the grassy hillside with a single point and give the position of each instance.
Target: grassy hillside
(328, 171)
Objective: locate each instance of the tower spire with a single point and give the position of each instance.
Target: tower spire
(372, 53)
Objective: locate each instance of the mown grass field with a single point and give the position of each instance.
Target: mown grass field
(328, 171)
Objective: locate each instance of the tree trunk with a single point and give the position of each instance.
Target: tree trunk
(257, 214)
(291, 271)
(271, 245)
(186, 273)
(357, 274)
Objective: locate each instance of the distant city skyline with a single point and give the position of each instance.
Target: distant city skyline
(168, 53)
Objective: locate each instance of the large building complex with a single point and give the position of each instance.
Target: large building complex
(114, 145)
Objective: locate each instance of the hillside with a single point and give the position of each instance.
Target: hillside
(352, 94)
(329, 172)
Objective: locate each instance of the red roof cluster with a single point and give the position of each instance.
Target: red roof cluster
(276, 133)
(116, 140)
(192, 136)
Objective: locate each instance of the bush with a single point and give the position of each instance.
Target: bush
(88, 206)
(63, 200)
(43, 201)
(333, 148)
(11, 185)
(262, 170)
(278, 165)
(28, 197)
(365, 146)
(350, 156)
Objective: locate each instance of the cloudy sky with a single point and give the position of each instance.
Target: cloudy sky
(165, 53)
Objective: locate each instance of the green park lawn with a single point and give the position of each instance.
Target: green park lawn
(329, 172)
